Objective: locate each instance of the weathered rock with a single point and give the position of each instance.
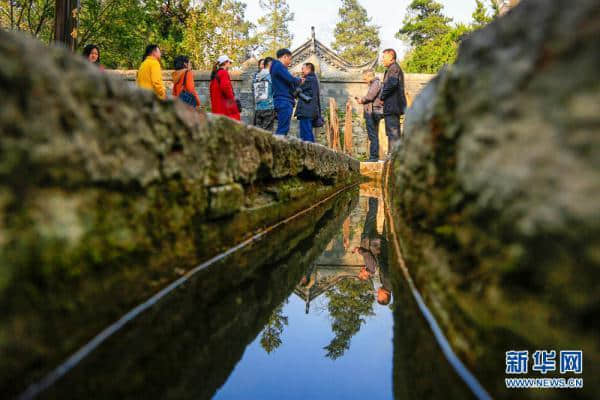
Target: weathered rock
(107, 194)
(499, 179)
(225, 200)
(188, 345)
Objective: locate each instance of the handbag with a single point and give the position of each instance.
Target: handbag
(318, 122)
(185, 96)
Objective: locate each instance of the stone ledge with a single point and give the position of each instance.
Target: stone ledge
(494, 190)
(372, 170)
(106, 192)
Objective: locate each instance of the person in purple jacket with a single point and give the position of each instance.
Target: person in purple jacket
(284, 85)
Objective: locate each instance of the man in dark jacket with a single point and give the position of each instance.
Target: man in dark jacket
(393, 97)
(308, 111)
(373, 112)
(284, 85)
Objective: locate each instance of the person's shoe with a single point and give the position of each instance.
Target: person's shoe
(373, 159)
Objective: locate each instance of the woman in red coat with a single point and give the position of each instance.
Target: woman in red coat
(221, 92)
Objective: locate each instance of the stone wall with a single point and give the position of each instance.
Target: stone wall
(108, 194)
(338, 88)
(495, 191)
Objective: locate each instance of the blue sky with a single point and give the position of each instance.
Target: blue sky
(388, 14)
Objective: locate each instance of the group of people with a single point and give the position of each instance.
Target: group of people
(277, 93)
(384, 101)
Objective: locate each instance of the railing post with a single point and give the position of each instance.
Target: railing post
(348, 128)
(334, 125)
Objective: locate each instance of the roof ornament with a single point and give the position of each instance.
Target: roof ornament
(313, 40)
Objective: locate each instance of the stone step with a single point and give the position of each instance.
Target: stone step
(373, 170)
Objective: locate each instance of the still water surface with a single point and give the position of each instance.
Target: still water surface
(330, 338)
(315, 310)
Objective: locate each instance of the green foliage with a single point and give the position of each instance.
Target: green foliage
(35, 17)
(434, 40)
(121, 29)
(424, 21)
(220, 28)
(480, 15)
(356, 39)
(430, 57)
(274, 33)
(270, 339)
(350, 301)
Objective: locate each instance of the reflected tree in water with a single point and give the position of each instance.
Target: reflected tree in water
(271, 334)
(350, 301)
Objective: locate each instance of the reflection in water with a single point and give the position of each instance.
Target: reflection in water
(333, 337)
(186, 345)
(348, 289)
(349, 302)
(270, 338)
(306, 313)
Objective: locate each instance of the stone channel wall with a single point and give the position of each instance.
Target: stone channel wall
(331, 87)
(107, 195)
(495, 191)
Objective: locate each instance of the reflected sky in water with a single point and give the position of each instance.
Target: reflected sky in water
(330, 338)
(299, 367)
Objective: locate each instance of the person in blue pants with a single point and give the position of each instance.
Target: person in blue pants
(308, 109)
(284, 85)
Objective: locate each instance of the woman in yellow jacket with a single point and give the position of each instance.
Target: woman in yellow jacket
(149, 75)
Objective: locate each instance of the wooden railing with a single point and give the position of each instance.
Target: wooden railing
(332, 127)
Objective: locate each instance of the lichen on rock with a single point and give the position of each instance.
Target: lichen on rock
(495, 187)
(106, 192)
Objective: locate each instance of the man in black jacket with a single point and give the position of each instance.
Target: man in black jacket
(393, 97)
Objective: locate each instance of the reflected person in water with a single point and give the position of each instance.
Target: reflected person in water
(372, 249)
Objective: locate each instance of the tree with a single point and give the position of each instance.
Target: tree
(480, 15)
(35, 17)
(274, 32)
(434, 40)
(424, 21)
(270, 339)
(356, 38)
(349, 302)
(430, 57)
(120, 28)
(216, 30)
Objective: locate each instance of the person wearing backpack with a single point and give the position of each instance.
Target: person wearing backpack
(183, 82)
(222, 98)
(264, 115)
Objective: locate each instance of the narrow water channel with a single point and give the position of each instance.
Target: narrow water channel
(314, 310)
(330, 338)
